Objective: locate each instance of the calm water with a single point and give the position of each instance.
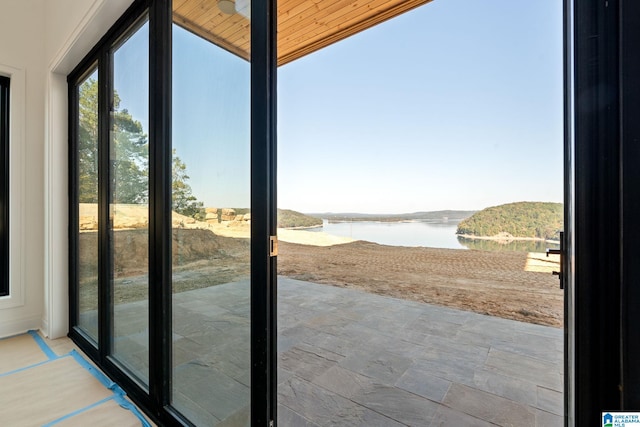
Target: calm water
(421, 233)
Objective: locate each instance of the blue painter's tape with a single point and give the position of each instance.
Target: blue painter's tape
(119, 398)
(104, 380)
(35, 365)
(118, 394)
(79, 411)
(43, 345)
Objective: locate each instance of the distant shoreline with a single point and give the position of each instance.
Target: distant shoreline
(498, 238)
(385, 220)
(444, 216)
(303, 227)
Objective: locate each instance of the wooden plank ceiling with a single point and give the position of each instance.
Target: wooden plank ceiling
(304, 26)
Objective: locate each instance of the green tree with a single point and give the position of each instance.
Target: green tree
(184, 202)
(130, 162)
(130, 151)
(521, 219)
(129, 158)
(88, 142)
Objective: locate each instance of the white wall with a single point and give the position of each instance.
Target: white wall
(73, 27)
(42, 40)
(22, 55)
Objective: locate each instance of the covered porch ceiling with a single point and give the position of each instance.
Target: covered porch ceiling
(304, 26)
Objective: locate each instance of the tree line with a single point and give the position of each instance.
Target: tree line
(129, 159)
(540, 220)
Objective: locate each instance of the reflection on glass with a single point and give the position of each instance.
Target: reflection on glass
(129, 210)
(88, 208)
(211, 227)
(540, 246)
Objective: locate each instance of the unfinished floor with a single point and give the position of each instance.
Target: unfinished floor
(50, 383)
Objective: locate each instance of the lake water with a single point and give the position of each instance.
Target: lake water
(436, 234)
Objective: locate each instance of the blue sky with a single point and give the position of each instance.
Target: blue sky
(211, 120)
(455, 105)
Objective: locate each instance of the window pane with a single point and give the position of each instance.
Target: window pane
(211, 223)
(88, 208)
(129, 209)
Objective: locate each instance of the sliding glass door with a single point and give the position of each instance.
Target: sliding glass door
(128, 192)
(86, 153)
(211, 229)
(172, 176)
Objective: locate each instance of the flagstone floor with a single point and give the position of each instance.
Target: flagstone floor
(348, 358)
(351, 358)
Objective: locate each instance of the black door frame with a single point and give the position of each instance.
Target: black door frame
(607, 207)
(568, 209)
(263, 200)
(156, 400)
(5, 91)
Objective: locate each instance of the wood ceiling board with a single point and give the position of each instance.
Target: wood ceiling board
(304, 26)
(331, 21)
(313, 14)
(236, 30)
(336, 26)
(177, 4)
(292, 9)
(240, 51)
(196, 10)
(204, 18)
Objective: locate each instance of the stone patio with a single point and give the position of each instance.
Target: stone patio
(348, 358)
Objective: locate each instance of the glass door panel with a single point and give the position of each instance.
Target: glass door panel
(129, 203)
(87, 153)
(185, 328)
(211, 216)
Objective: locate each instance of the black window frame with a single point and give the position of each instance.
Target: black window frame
(5, 92)
(100, 58)
(155, 399)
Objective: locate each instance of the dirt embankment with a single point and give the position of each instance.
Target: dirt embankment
(513, 285)
(496, 283)
(131, 249)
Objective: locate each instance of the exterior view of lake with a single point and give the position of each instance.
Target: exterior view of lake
(434, 234)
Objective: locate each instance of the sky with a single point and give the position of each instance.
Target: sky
(454, 105)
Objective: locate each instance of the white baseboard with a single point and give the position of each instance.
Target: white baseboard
(15, 327)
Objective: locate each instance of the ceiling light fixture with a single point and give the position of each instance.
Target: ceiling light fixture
(227, 6)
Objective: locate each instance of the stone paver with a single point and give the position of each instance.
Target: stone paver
(348, 358)
(416, 364)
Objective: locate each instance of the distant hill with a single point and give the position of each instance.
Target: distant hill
(447, 215)
(539, 220)
(292, 219)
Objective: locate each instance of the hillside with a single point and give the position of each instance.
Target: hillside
(292, 219)
(288, 218)
(539, 220)
(414, 216)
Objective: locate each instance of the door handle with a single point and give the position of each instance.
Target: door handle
(560, 252)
